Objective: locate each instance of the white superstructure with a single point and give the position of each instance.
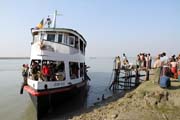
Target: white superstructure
(63, 51)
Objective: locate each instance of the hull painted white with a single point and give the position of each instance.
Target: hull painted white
(39, 85)
(53, 51)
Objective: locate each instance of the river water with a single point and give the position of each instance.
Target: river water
(14, 106)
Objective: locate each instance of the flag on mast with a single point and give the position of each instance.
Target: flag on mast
(40, 25)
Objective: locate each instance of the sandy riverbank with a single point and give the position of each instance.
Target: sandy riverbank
(147, 102)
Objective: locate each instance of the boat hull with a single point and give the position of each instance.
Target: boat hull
(45, 101)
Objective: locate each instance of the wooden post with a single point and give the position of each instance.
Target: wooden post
(147, 74)
(137, 78)
(114, 84)
(130, 79)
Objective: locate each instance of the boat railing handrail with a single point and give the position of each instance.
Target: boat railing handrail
(72, 48)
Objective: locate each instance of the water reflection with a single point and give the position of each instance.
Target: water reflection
(69, 107)
(30, 112)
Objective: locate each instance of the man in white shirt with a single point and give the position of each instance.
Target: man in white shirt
(164, 59)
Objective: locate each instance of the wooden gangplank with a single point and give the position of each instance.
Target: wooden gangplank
(127, 78)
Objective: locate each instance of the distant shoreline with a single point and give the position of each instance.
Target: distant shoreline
(14, 58)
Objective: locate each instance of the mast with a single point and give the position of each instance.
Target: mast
(54, 19)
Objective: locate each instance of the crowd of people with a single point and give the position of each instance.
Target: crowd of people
(50, 71)
(144, 60)
(166, 65)
(53, 70)
(169, 65)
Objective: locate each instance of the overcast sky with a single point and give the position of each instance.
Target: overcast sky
(110, 27)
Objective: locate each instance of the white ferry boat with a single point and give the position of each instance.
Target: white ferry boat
(57, 64)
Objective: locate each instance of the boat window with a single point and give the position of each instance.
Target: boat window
(52, 70)
(60, 71)
(84, 48)
(76, 43)
(74, 70)
(81, 69)
(71, 41)
(51, 37)
(59, 38)
(81, 46)
(65, 39)
(35, 69)
(43, 36)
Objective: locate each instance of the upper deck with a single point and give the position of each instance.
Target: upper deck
(57, 30)
(64, 41)
(53, 43)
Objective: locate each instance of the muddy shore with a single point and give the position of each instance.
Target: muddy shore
(147, 102)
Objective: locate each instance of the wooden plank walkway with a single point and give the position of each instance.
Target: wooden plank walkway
(127, 78)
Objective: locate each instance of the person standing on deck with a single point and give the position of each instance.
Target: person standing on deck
(150, 60)
(86, 77)
(124, 58)
(117, 66)
(25, 73)
(142, 59)
(25, 69)
(34, 70)
(117, 63)
(138, 61)
(145, 60)
(46, 72)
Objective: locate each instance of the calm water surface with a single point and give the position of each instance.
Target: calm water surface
(14, 106)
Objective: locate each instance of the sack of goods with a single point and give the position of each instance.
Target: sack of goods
(165, 82)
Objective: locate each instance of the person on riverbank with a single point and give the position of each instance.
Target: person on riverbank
(178, 61)
(164, 59)
(157, 69)
(173, 66)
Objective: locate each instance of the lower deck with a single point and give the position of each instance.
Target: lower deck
(47, 85)
(49, 74)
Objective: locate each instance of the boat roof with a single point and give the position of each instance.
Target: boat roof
(33, 30)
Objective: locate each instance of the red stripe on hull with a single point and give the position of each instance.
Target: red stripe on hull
(47, 92)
